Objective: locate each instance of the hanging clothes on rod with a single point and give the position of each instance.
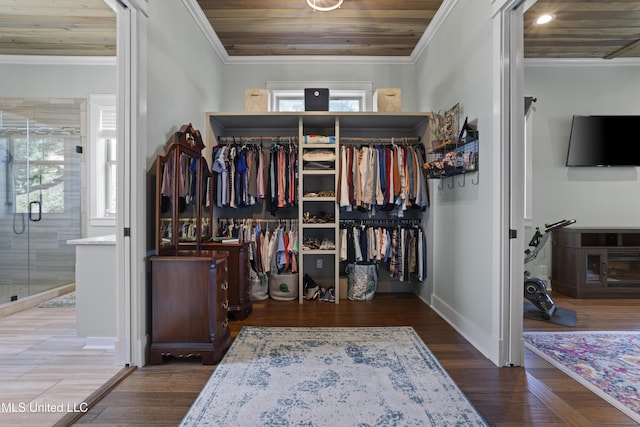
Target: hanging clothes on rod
(385, 177)
(273, 243)
(187, 182)
(246, 174)
(402, 246)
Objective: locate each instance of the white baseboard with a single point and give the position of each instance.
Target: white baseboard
(485, 343)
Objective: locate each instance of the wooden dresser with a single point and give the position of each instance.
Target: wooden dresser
(189, 303)
(239, 296)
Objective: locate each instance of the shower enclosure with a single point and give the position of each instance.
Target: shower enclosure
(40, 182)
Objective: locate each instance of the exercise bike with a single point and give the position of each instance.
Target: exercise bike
(535, 290)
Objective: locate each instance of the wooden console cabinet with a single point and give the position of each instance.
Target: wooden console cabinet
(189, 306)
(239, 293)
(596, 262)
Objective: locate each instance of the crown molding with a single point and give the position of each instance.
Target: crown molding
(201, 19)
(581, 62)
(57, 60)
(319, 59)
(438, 19)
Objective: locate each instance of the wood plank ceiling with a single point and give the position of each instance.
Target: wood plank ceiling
(57, 28)
(582, 28)
(291, 27)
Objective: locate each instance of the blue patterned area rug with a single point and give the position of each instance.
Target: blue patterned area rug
(330, 377)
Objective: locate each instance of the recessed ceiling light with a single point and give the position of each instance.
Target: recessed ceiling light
(544, 19)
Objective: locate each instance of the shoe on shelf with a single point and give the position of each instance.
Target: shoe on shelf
(332, 295)
(310, 244)
(328, 295)
(308, 282)
(312, 293)
(327, 244)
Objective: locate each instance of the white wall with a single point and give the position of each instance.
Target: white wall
(238, 77)
(184, 74)
(597, 197)
(457, 68)
(56, 81)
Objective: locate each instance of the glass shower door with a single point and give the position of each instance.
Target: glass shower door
(41, 182)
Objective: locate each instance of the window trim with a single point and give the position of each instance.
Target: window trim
(337, 90)
(97, 163)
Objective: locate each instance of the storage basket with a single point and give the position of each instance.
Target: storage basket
(362, 281)
(257, 100)
(283, 287)
(387, 100)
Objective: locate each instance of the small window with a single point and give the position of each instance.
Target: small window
(103, 148)
(286, 101)
(343, 96)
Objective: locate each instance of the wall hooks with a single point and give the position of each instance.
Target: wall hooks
(461, 182)
(451, 185)
(477, 181)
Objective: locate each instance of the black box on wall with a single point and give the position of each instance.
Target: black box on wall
(316, 100)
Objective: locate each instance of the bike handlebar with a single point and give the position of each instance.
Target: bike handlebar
(559, 224)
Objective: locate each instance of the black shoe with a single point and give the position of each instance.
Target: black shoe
(309, 282)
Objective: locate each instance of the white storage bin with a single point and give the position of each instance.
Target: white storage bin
(283, 287)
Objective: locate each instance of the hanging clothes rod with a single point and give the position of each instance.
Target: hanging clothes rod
(378, 140)
(380, 222)
(258, 220)
(387, 140)
(241, 139)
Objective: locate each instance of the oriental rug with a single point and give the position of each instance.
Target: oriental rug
(330, 377)
(607, 363)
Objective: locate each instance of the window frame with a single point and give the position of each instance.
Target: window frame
(360, 91)
(99, 162)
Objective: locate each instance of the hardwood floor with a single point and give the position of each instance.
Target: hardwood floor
(538, 395)
(43, 365)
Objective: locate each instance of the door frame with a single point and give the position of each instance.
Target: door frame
(509, 122)
(131, 155)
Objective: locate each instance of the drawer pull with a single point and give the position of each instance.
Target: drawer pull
(225, 323)
(224, 286)
(225, 305)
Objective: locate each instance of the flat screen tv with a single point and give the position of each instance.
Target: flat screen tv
(604, 141)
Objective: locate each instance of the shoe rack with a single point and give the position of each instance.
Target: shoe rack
(318, 208)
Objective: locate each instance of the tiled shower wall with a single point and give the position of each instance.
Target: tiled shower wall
(35, 256)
